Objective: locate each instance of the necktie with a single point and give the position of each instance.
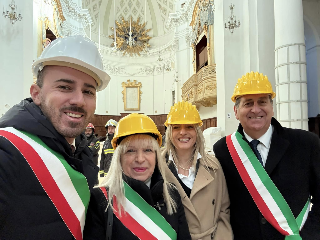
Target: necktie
(73, 149)
(254, 143)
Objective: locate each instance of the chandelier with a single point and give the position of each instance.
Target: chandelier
(232, 22)
(12, 14)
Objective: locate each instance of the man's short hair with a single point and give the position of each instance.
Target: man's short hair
(237, 103)
(40, 77)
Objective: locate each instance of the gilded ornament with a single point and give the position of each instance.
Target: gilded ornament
(131, 37)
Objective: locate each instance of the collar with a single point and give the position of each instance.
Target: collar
(148, 182)
(265, 139)
(171, 157)
(74, 143)
(192, 169)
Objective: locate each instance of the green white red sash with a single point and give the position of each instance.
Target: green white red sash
(67, 188)
(265, 194)
(140, 218)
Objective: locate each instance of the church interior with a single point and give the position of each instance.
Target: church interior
(159, 52)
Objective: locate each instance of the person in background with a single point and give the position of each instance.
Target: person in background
(107, 150)
(198, 176)
(145, 205)
(93, 142)
(44, 177)
(271, 171)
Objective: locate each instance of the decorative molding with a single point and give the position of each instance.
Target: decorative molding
(181, 17)
(75, 12)
(59, 9)
(131, 95)
(53, 26)
(68, 29)
(169, 47)
(147, 69)
(115, 70)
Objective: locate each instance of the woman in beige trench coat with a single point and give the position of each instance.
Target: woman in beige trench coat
(198, 177)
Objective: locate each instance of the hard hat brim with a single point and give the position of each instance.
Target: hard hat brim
(115, 143)
(102, 78)
(235, 97)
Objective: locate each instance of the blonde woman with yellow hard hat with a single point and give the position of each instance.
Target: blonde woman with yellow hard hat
(145, 204)
(199, 177)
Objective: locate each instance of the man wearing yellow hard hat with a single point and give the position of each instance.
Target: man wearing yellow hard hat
(272, 172)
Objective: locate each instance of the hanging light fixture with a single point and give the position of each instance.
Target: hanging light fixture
(12, 14)
(232, 22)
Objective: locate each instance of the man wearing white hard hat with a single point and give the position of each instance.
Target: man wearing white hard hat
(272, 172)
(107, 150)
(44, 178)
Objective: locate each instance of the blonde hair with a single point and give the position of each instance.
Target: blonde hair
(114, 181)
(198, 147)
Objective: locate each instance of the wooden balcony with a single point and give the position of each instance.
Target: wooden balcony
(201, 88)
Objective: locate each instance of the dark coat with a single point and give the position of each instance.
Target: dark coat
(106, 158)
(26, 212)
(293, 164)
(97, 215)
(94, 146)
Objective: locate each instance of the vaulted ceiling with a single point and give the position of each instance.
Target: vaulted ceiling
(155, 12)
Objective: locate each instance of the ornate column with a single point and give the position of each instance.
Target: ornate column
(290, 64)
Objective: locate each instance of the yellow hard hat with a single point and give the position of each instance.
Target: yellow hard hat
(183, 113)
(252, 83)
(135, 123)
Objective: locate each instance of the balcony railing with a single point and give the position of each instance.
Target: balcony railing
(201, 88)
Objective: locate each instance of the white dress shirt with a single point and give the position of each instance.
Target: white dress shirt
(264, 145)
(187, 180)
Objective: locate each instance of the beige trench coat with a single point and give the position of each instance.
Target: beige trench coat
(207, 210)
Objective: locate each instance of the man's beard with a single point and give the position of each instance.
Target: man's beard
(110, 135)
(89, 135)
(71, 129)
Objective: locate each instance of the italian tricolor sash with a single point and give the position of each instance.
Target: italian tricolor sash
(140, 218)
(265, 194)
(67, 188)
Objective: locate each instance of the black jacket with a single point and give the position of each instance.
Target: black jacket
(106, 156)
(26, 212)
(94, 146)
(293, 164)
(97, 215)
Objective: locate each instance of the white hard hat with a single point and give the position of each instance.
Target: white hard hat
(76, 52)
(111, 122)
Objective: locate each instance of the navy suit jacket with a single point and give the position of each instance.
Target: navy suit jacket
(293, 164)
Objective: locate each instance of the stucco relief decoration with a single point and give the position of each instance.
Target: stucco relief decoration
(131, 95)
(201, 88)
(75, 12)
(181, 16)
(202, 17)
(131, 37)
(50, 18)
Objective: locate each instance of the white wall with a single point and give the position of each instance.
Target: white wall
(156, 97)
(16, 55)
(249, 48)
